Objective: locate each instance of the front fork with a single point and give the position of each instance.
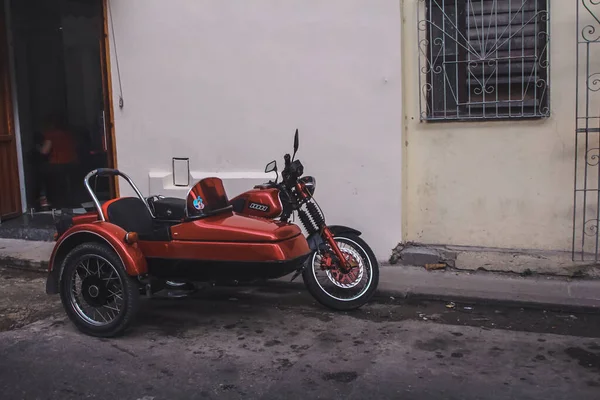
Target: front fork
(343, 264)
(327, 236)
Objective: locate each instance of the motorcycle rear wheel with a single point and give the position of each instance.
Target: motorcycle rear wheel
(97, 294)
(339, 291)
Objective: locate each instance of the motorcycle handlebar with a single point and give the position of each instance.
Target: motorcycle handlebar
(292, 170)
(107, 172)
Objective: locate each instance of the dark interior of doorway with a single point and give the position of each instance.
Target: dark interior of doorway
(57, 56)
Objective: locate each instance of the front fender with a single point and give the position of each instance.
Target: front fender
(315, 240)
(103, 232)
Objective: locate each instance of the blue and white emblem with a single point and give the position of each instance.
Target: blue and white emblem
(198, 203)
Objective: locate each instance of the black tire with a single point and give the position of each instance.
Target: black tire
(326, 299)
(130, 290)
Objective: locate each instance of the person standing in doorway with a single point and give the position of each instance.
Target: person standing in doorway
(57, 153)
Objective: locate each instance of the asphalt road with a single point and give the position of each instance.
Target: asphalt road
(274, 342)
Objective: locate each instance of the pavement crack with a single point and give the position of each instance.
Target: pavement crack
(116, 346)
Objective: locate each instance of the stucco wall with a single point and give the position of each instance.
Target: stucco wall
(496, 184)
(226, 83)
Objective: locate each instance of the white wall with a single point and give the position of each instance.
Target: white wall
(227, 82)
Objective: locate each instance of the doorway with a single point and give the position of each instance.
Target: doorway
(60, 75)
(10, 200)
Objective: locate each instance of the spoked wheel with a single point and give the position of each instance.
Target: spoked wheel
(343, 289)
(96, 292)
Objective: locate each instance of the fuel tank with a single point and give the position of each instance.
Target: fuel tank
(258, 202)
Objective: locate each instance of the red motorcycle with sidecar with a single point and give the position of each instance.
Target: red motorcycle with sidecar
(105, 259)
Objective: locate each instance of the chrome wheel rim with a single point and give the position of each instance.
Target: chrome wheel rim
(96, 290)
(345, 291)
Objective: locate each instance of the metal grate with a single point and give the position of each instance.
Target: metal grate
(586, 212)
(483, 59)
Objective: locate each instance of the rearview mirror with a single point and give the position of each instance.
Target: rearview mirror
(272, 166)
(296, 141)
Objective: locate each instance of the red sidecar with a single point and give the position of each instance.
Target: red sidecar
(104, 259)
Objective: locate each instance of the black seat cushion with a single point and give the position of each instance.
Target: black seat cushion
(131, 214)
(169, 208)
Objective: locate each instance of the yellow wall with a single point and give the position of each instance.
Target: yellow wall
(496, 184)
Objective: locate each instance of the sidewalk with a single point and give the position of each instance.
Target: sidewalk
(405, 281)
(27, 254)
(533, 291)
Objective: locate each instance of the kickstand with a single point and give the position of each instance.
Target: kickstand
(298, 272)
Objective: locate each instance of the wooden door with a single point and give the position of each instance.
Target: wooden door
(108, 116)
(10, 195)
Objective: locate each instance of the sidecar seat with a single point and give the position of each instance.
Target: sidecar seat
(131, 214)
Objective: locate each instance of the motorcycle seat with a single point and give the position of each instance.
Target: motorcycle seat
(131, 214)
(168, 208)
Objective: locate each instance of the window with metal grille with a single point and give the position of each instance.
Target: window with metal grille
(483, 59)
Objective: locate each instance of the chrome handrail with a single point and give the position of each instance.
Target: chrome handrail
(111, 172)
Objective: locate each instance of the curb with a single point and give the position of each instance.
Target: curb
(24, 264)
(383, 295)
(472, 300)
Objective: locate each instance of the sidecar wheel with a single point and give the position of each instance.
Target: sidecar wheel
(96, 292)
(343, 291)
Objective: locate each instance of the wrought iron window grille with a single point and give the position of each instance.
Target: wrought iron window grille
(586, 210)
(483, 59)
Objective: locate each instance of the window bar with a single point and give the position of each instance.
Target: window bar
(597, 194)
(431, 66)
(546, 92)
(419, 61)
(523, 57)
(467, 3)
(597, 205)
(535, 61)
(587, 126)
(576, 139)
(497, 66)
(483, 42)
(457, 59)
(509, 59)
(444, 58)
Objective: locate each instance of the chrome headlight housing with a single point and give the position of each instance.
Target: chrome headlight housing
(310, 183)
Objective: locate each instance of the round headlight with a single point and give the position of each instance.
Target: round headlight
(310, 183)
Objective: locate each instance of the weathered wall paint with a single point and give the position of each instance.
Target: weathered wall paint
(497, 184)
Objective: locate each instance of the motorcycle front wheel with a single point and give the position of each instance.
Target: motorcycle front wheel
(343, 290)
